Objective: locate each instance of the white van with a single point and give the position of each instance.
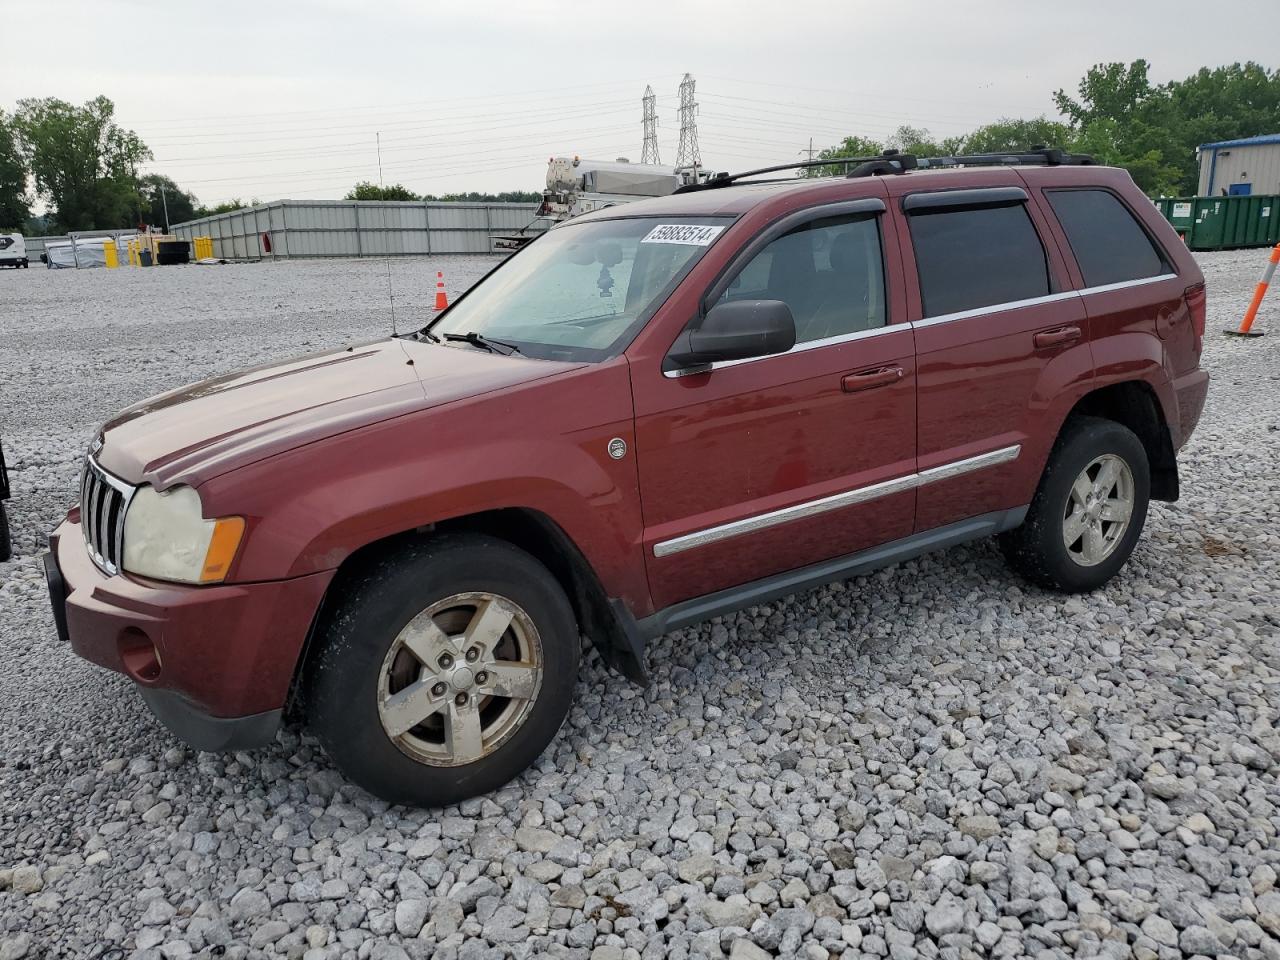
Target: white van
(13, 250)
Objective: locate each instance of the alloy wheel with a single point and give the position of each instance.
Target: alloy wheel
(460, 679)
(1098, 510)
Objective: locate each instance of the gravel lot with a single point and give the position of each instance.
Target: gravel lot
(933, 761)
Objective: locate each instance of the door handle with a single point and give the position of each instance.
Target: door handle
(1052, 338)
(870, 379)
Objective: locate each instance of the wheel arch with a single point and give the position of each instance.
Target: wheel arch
(1134, 404)
(606, 623)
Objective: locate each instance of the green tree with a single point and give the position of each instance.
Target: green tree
(852, 146)
(15, 206)
(1008, 135)
(474, 196)
(1121, 119)
(227, 206)
(85, 166)
(372, 191)
(1113, 91)
(918, 141)
(158, 191)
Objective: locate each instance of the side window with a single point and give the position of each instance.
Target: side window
(977, 257)
(1107, 241)
(830, 272)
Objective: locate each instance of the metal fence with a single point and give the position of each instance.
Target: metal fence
(35, 245)
(351, 228)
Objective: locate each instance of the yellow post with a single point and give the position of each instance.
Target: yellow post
(112, 256)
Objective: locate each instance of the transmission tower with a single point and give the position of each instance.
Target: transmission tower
(688, 154)
(649, 154)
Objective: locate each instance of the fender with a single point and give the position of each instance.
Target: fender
(310, 508)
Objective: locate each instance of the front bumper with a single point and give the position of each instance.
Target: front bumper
(214, 664)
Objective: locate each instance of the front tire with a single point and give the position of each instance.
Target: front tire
(1089, 510)
(443, 670)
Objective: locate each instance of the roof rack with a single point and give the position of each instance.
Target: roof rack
(892, 163)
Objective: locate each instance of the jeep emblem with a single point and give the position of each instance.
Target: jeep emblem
(617, 448)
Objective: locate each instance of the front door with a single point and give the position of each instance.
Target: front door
(756, 467)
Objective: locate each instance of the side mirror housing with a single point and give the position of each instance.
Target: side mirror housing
(736, 330)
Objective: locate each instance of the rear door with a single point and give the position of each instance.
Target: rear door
(1134, 298)
(999, 336)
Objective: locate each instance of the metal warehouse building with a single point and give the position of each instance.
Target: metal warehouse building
(1240, 167)
(350, 228)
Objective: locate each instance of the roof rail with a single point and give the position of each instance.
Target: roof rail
(891, 163)
(723, 179)
(1036, 156)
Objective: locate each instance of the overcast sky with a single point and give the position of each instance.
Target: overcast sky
(276, 100)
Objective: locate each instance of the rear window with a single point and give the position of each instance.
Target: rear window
(1108, 243)
(977, 257)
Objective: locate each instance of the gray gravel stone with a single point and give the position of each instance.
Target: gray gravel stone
(935, 761)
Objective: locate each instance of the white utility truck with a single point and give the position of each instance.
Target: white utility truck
(13, 250)
(576, 186)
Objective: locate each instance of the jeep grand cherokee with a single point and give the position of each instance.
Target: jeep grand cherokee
(649, 416)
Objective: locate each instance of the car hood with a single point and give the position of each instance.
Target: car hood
(199, 431)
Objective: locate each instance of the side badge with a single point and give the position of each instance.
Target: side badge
(617, 448)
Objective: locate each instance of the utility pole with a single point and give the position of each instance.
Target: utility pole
(808, 171)
(649, 153)
(165, 200)
(688, 156)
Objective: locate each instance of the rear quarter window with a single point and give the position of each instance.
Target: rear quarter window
(1108, 242)
(977, 257)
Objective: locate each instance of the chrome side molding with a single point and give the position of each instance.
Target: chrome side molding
(810, 508)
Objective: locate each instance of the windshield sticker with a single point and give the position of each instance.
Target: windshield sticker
(690, 233)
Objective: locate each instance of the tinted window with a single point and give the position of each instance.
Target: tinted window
(1107, 241)
(977, 257)
(829, 272)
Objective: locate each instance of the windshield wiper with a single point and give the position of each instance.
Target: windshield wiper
(484, 343)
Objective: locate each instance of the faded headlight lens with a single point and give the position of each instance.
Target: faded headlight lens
(166, 537)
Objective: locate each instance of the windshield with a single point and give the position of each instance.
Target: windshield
(581, 291)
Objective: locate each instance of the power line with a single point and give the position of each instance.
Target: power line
(364, 109)
(317, 133)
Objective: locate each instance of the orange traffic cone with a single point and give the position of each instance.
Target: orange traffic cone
(442, 299)
(1259, 292)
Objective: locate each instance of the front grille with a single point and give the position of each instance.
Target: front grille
(103, 502)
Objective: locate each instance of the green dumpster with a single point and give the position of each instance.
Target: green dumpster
(1224, 223)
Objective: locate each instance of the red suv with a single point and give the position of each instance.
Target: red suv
(651, 415)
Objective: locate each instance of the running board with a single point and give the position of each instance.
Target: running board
(779, 585)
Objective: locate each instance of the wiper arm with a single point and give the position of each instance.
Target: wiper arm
(484, 343)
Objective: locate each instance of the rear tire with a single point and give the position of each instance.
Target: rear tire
(443, 670)
(1088, 511)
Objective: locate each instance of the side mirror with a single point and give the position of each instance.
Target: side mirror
(737, 330)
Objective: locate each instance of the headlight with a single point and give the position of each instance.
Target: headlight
(166, 537)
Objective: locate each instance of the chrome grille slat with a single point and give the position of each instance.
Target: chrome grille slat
(104, 500)
(100, 520)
